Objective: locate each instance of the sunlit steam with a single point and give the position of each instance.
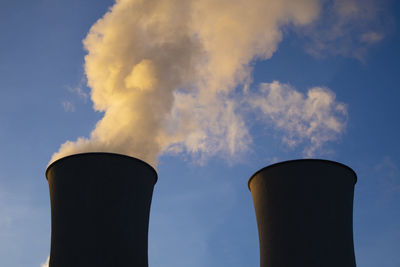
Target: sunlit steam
(165, 73)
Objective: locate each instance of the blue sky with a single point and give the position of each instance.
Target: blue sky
(202, 212)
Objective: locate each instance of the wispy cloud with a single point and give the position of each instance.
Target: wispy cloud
(68, 106)
(371, 37)
(313, 118)
(348, 28)
(79, 91)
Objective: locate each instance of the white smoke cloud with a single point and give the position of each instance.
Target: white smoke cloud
(314, 118)
(165, 73)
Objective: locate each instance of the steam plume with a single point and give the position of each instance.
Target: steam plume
(165, 74)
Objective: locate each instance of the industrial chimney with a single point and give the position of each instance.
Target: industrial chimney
(100, 205)
(304, 211)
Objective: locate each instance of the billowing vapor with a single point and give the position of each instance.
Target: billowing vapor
(166, 75)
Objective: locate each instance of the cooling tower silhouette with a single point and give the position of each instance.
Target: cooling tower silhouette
(100, 204)
(304, 211)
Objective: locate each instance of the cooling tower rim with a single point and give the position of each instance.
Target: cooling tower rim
(101, 153)
(305, 160)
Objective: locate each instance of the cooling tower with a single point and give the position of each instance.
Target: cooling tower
(100, 205)
(304, 211)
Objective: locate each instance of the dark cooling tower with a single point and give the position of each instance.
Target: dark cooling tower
(100, 205)
(304, 211)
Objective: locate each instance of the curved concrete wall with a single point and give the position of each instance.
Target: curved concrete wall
(100, 204)
(304, 211)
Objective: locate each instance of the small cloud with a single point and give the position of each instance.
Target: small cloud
(348, 28)
(346, 8)
(314, 118)
(46, 264)
(80, 92)
(68, 106)
(371, 37)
